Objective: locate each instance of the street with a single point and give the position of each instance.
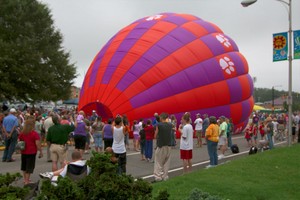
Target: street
(135, 166)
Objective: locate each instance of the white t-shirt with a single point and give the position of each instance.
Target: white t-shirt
(187, 133)
(198, 122)
(118, 145)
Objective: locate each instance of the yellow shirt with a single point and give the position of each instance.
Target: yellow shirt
(212, 133)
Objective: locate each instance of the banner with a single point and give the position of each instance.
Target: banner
(280, 46)
(297, 44)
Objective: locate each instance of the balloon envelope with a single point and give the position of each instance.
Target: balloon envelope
(172, 63)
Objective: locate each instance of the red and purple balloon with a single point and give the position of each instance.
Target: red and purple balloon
(172, 63)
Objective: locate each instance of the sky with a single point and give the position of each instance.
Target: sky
(87, 25)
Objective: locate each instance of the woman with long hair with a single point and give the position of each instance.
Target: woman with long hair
(32, 145)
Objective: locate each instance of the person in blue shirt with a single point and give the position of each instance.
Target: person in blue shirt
(9, 127)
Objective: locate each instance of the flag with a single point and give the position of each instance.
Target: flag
(280, 46)
(297, 44)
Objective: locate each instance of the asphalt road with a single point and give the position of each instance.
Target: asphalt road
(136, 167)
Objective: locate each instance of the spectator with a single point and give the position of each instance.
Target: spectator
(57, 139)
(118, 145)
(163, 150)
(107, 134)
(149, 130)
(97, 134)
(198, 127)
(143, 141)
(269, 132)
(80, 133)
(9, 127)
(136, 136)
(222, 137)
(47, 124)
(212, 138)
(186, 143)
(230, 129)
(76, 170)
(205, 124)
(32, 145)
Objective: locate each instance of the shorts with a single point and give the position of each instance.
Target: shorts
(222, 140)
(98, 139)
(58, 153)
(80, 141)
(199, 133)
(186, 154)
(136, 136)
(293, 130)
(28, 163)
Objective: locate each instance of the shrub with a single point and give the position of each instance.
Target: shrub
(7, 191)
(102, 183)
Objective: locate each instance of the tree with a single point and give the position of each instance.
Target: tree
(33, 64)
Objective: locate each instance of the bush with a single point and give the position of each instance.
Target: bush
(7, 191)
(102, 183)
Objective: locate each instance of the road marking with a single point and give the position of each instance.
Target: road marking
(205, 162)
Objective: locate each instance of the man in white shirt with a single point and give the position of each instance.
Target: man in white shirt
(198, 127)
(76, 169)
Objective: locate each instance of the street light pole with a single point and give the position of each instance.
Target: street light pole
(246, 3)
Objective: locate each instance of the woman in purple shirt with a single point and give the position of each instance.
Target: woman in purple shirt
(107, 134)
(80, 133)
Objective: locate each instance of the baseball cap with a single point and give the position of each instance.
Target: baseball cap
(12, 110)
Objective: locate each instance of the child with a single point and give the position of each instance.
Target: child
(248, 133)
(261, 129)
(254, 131)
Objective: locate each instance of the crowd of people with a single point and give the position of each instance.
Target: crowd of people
(57, 130)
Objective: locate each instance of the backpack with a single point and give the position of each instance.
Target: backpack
(253, 150)
(234, 148)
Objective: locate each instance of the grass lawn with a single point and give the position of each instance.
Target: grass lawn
(269, 175)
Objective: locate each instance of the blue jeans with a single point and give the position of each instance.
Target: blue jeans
(270, 140)
(10, 144)
(121, 162)
(212, 152)
(149, 149)
(143, 147)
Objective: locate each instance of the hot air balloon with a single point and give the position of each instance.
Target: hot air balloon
(172, 63)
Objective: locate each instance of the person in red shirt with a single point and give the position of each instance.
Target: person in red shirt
(149, 131)
(261, 129)
(32, 145)
(248, 134)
